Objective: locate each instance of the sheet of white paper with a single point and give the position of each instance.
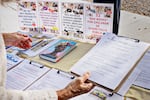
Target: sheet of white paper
(127, 84)
(12, 60)
(52, 79)
(110, 60)
(90, 96)
(23, 75)
(143, 80)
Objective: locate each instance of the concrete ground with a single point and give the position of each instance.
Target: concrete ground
(141, 7)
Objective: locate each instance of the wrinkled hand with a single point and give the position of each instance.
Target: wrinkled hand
(76, 87)
(17, 39)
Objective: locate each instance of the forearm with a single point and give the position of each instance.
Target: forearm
(63, 94)
(7, 38)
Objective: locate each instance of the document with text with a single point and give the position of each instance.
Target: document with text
(24, 74)
(54, 79)
(143, 80)
(111, 60)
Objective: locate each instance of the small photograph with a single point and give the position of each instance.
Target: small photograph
(93, 36)
(66, 32)
(90, 10)
(108, 12)
(79, 34)
(48, 6)
(54, 29)
(28, 5)
(73, 8)
(99, 11)
(43, 29)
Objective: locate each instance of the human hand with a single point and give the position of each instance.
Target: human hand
(76, 87)
(17, 39)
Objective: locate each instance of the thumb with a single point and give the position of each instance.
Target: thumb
(85, 76)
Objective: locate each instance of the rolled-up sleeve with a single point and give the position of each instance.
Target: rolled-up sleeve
(27, 95)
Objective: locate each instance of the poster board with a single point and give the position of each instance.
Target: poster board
(117, 4)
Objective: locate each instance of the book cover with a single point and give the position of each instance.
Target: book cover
(55, 52)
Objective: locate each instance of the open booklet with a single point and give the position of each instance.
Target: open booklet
(77, 19)
(111, 60)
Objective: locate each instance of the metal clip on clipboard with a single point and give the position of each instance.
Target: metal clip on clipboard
(36, 64)
(135, 40)
(65, 74)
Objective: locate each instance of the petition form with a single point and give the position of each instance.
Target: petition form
(110, 60)
(143, 80)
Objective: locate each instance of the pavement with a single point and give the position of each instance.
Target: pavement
(141, 7)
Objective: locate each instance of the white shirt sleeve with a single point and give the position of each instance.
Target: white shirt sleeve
(27, 95)
(16, 94)
(7, 24)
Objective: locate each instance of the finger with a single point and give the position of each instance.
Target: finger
(20, 45)
(29, 39)
(26, 44)
(23, 45)
(22, 35)
(85, 76)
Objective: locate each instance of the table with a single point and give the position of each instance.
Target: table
(138, 27)
(131, 25)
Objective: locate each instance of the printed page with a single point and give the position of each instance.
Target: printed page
(98, 19)
(27, 15)
(143, 80)
(24, 74)
(13, 60)
(110, 60)
(53, 79)
(72, 19)
(128, 83)
(48, 11)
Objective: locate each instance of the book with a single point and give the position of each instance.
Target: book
(79, 20)
(58, 50)
(38, 47)
(111, 61)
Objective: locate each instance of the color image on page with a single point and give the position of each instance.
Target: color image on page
(98, 20)
(49, 16)
(27, 15)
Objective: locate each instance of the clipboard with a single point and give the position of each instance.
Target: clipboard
(127, 61)
(24, 75)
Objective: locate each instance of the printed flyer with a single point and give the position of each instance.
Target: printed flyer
(27, 14)
(49, 16)
(77, 20)
(72, 20)
(99, 19)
